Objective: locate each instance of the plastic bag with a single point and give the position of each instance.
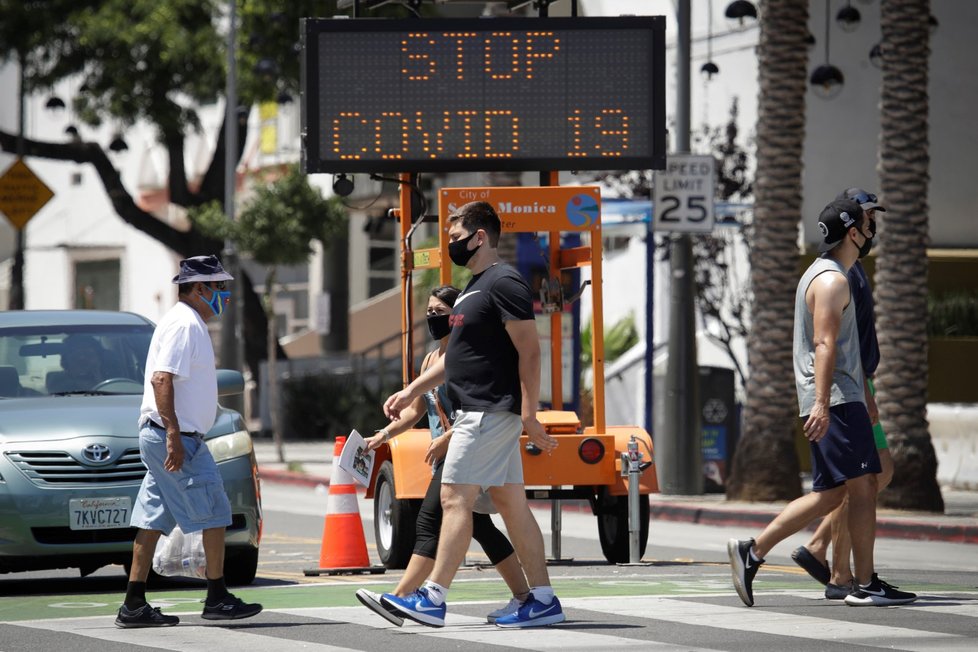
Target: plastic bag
(181, 554)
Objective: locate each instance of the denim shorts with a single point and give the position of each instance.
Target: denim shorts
(192, 497)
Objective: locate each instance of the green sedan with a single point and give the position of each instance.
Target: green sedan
(71, 383)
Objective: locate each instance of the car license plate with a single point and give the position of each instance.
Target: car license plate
(99, 513)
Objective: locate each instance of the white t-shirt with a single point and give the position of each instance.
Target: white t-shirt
(182, 346)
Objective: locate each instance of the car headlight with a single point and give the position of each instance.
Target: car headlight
(226, 447)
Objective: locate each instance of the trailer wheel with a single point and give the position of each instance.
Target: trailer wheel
(394, 521)
(612, 513)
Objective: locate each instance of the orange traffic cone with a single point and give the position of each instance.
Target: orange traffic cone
(344, 548)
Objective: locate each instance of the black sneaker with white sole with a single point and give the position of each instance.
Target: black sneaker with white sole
(743, 567)
(371, 601)
(145, 616)
(878, 594)
(230, 608)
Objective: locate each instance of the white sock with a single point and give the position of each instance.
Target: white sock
(544, 594)
(436, 592)
(754, 556)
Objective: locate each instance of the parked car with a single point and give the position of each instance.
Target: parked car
(71, 383)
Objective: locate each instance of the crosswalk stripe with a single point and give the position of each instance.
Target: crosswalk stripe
(766, 621)
(476, 630)
(180, 638)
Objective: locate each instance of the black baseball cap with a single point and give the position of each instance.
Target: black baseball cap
(867, 200)
(201, 268)
(835, 221)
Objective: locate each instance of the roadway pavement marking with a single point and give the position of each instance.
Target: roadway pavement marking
(180, 638)
(767, 621)
(476, 630)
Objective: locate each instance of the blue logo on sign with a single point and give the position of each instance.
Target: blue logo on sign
(582, 210)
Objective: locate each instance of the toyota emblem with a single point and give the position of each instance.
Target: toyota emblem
(97, 453)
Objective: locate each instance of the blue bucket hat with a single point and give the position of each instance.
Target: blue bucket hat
(201, 268)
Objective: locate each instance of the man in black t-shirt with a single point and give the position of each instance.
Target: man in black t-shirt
(492, 370)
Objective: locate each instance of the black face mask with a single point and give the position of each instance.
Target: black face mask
(438, 326)
(864, 250)
(459, 253)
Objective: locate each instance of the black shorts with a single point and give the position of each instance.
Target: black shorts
(848, 449)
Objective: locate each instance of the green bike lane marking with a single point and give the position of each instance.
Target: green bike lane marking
(341, 594)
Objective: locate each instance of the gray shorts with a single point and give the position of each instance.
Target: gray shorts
(484, 450)
(192, 497)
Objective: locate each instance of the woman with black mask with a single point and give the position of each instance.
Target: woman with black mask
(495, 544)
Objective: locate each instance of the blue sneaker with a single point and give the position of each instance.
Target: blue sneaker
(533, 613)
(417, 606)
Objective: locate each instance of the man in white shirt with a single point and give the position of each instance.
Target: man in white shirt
(182, 485)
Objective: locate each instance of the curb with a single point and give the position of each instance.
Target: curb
(294, 478)
(886, 527)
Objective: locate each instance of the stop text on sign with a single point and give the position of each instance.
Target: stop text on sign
(383, 95)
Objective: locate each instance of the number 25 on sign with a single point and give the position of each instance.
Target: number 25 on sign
(684, 194)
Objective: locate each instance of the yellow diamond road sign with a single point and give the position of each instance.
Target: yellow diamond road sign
(22, 194)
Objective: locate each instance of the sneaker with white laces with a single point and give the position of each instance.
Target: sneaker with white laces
(418, 606)
(743, 568)
(371, 601)
(878, 594)
(145, 616)
(230, 608)
(533, 613)
(513, 605)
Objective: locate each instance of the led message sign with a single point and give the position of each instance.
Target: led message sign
(439, 95)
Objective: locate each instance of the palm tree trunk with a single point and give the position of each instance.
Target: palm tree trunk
(765, 465)
(901, 268)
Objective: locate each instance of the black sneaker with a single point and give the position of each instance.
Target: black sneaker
(878, 594)
(371, 601)
(230, 608)
(839, 591)
(819, 571)
(145, 616)
(743, 568)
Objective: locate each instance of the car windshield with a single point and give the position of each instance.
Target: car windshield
(67, 360)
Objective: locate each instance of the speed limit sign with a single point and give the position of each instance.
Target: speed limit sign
(684, 194)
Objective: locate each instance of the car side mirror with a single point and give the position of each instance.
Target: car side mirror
(229, 382)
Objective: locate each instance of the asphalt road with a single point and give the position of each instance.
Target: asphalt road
(682, 599)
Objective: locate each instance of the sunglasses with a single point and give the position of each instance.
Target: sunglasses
(864, 198)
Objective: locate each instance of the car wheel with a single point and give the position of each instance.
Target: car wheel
(394, 521)
(240, 566)
(612, 516)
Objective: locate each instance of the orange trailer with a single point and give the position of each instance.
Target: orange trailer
(587, 464)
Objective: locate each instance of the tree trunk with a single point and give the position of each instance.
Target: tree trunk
(765, 466)
(274, 416)
(901, 268)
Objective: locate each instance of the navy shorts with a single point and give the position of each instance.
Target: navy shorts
(848, 449)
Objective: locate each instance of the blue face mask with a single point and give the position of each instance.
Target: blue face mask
(219, 299)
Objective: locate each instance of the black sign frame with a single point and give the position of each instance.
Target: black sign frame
(652, 156)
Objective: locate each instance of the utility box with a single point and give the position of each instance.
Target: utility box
(720, 424)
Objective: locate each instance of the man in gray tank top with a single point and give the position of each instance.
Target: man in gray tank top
(831, 400)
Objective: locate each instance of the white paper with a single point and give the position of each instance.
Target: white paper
(356, 460)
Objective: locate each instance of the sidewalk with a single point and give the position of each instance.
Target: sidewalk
(309, 464)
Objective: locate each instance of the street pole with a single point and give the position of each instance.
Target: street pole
(678, 449)
(16, 299)
(232, 331)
